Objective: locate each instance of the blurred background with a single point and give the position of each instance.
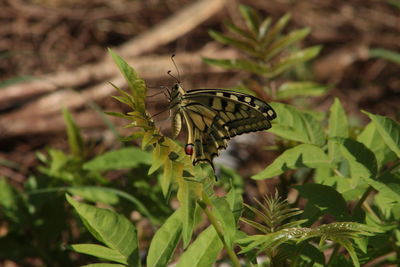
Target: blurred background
(53, 54)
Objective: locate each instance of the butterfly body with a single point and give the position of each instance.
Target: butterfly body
(213, 116)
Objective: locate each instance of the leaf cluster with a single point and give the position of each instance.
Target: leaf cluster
(270, 53)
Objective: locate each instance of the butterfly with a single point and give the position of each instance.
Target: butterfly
(213, 117)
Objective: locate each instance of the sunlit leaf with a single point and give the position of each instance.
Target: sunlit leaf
(136, 84)
(225, 216)
(371, 138)
(165, 241)
(389, 131)
(128, 157)
(203, 251)
(188, 193)
(304, 155)
(100, 252)
(110, 228)
(338, 127)
(361, 160)
(296, 125)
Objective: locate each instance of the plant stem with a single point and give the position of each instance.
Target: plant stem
(362, 199)
(370, 188)
(220, 232)
(333, 255)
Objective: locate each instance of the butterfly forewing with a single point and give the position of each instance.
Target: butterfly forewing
(213, 116)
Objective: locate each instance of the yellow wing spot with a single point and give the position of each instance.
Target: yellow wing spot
(270, 112)
(217, 104)
(230, 107)
(230, 115)
(198, 121)
(220, 94)
(247, 99)
(224, 116)
(234, 97)
(239, 116)
(244, 113)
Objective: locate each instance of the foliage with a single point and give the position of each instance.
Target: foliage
(276, 234)
(270, 54)
(350, 179)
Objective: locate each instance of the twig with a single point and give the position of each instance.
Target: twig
(163, 33)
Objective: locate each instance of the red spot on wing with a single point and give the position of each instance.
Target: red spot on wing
(189, 149)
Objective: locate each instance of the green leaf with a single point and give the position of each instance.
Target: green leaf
(100, 252)
(293, 59)
(167, 176)
(136, 84)
(361, 160)
(263, 29)
(325, 198)
(251, 18)
(159, 155)
(241, 32)
(235, 199)
(203, 251)
(95, 194)
(11, 203)
(296, 125)
(110, 228)
(338, 127)
(223, 213)
(188, 193)
(103, 265)
(239, 44)
(371, 138)
(165, 241)
(238, 64)
(294, 89)
(75, 140)
(304, 155)
(389, 131)
(87, 193)
(285, 41)
(128, 157)
(388, 184)
(388, 55)
(275, 30)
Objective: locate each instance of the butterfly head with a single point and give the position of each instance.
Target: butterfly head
(175, 94)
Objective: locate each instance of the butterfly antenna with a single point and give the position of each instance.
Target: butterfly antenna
(156, 94)
(158, 113)
(176, 79)
(176, 67)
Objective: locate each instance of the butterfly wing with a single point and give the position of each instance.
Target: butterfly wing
(213, 116)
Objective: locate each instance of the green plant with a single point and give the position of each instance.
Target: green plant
(270, 54)
(341, 167)
(350, 178)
